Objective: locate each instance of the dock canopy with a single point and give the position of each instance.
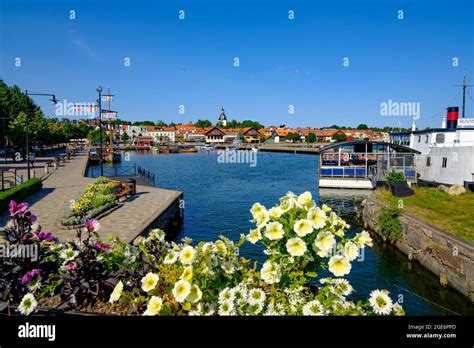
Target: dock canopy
(360, 145)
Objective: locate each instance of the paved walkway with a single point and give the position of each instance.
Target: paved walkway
(68, 182)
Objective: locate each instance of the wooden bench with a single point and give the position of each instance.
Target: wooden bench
(120, 190)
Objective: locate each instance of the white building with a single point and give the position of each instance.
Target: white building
(163, 135)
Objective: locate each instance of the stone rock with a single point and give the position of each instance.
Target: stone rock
(443, 188)
(456, 190)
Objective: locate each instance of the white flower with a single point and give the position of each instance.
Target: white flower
(296, 246)
(170, 258)
(226, 295)
(68, 254)
(397, 309)
(187, 255)
(157, 234)
(275, 213)
(313, 308)
(326, 208)
(228, 267)
(149, 281)
(305, 198)
(303, 227)
(256, 296)
(343, 286)
(257, 209)
(363, 238)
(274, 231)
(154, 306)
(195, 294)
(226, 308)
(255, 308)
(317, 217)
(270, 272)
(324, 242)
(254, 236)
(28, 304)
(351, 251)
(261, 219)
(115, 295)
(187, 273)
(339, 265)
(287, 204)
(381, 302)
(181, 290)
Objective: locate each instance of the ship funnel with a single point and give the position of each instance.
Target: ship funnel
(453, 114)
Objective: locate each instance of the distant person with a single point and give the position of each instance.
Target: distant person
(32, 159)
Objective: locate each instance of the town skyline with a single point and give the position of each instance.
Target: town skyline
(294, 63)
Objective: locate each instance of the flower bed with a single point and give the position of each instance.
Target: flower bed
(96, 200)
(156, 277)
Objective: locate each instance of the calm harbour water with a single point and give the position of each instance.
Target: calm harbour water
(218, 197)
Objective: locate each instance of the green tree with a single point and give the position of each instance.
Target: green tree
(339, 137)
(293, 137)
(94, 136)
(311, 138)
(161, 123)
(124, 137)
(203, 123)
(362, 126)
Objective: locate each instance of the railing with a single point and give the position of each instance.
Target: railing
(343, 172)
(146, 175)
(9, 178)
(95, 171)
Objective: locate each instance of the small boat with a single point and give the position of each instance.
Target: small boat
(188, 150)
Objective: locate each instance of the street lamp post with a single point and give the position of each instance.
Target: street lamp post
(54, 101)
(99, 101)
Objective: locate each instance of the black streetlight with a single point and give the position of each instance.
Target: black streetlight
(99, 102)
(53, 100)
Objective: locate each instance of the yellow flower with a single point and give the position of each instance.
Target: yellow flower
(296, 246)
(221, 247)
(254, 236)
(351, 251)
(187, 255)
(305, 198)
(275, 213)
(181, 290)
(303, 227)
(257, 209)
(195, 294)
(274, 231)
(261, 219)
(149, 282)
(270, 272)
(154, 306)
(339, 265)
(187, 273)
(115, 295)
(324, 242)
(317, 217)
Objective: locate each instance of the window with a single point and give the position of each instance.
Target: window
(428, 161)
(445, 162)
(427, 138)
(439, 138)
(419, 138)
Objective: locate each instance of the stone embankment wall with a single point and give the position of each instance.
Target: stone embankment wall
(449, 257)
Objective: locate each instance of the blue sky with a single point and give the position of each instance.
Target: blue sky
(283, 62)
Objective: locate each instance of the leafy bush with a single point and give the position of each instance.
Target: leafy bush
(389, 223)
(394, 177)
(19, 193)
(156, 277)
